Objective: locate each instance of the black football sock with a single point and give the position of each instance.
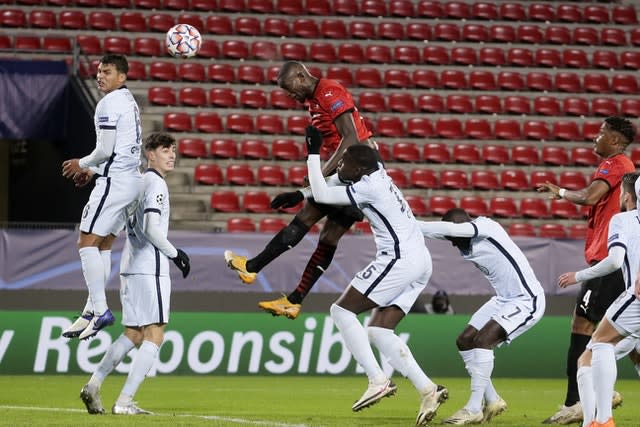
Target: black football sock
(286, 239)
(577, 346)
(318, 264)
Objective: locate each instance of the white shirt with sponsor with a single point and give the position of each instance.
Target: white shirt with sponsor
(394, 227)
(119, 111)
(494, 253)
(139, 256)
(624, 231)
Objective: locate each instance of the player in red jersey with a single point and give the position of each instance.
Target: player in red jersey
(334, 113)
(603, 195)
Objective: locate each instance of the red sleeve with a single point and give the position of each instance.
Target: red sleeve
(335, 100)
(611, 171)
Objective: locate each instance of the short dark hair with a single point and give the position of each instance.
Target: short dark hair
(629, 184)
(456, 215)
(363, 155)
(158, 139)
(623, 126)
(119, 61)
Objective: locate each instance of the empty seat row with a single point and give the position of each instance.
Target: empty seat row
(279, 149)
(222, 97)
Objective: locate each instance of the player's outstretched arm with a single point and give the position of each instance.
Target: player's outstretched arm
(567, 279)
(611, 263)
(321, 191)
(444, 229)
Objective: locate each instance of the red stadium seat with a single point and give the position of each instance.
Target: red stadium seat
(192, 96)
(503, 207)
(390, 30)
(132, 21)
(240, 123)
(137, 71)
(391, 126)
(575, 58)
(493, 56)
(509, 80)
(459, 104)
(56, 44)
(567, 82)
(439, 205)
(484, 10)
(378, 53)
(548, 57)
(240, 174)
(423, 178)
(407, 55)
(535, 129)
(297, 124)
(250, 74)
(402, 102)
(162, 96)
(269, 123)
(368, 77)
(553, 231)
(235, 49)
(42, 19)
(584, 156)
(231, 5)
(276, 27)
(586, 35)
(478, 129)
(464, 56)
(224, 149)
(426, 79)
(575, 106)
(218, 24)
(254, 149)
(362, 29)
(417, 205)
(507, 129)
(161, 70)
(429, 9)
(590, 130)
(475, 33)
(102, 21)
(73, 20)
(146, 46)
(208, 174)
(564, 209)
(225, 201)
(351, 53)
(290, 7)
(436, 55)
(604, 107)
(159, 22)
(209, 49)
(436, 152)
(539, 81)
(260, 6)
(192, 147)
(578, 231)
(521, 229)
(446, 32)
(474, 205)
(630, 60)
(541, 12)
(568, 13)
(555, 156)
(534, 207)
(191, 71)
(418, 31)
(624, 14)
(541, 177)
(482, 80)
(397, 78)
(406, 152)
(520, 57)
(488, 104)
(596, 82)
(373, 8)
(322, 52)
(555, 34)
(401, 8)
(449, 128)
(572, 180)
(221, 73)
(271, 225)
(285, 149)
(208, 122)
(398, 176)
(495, 154)
(625, 84)
(453, 79)
(117, 45)
(517, 104)
(223, 97)
(485, 180)
(430, 103)
(454, 179)
(546, 106)
(292, 51)
(466, 153)
(529, 34)
(525, 155)
(253, 98)
(271, 175)
(514, 179)
(566, 131)
(177, 122)
(455, 10)
(501, 33)
(279, 99)
(240, 225)
(265, 50)
(630, 107)
(333, 29)
(305, 28)
(596, 13)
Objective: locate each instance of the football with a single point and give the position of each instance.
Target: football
(183, 41)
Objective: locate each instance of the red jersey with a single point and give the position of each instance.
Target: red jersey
(330, 100)
(610, 170)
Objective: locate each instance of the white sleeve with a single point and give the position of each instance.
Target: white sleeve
(105, 145)
(153, 231)
(331, 180)
(322, 193)
(444, 229)
(611, 263)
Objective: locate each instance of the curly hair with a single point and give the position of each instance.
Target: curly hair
(622, 126)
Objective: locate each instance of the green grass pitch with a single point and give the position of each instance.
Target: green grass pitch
(273, 401)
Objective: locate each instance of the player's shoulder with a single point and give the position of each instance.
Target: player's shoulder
(152, 177)
(625, 217)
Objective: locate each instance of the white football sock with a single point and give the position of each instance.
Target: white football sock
(142, 363)
(93, 270)
(400, 357)
(490, 393)
(114, 355)
(357, 342)
(88, 307)
(587, 394)
(604, 371)
(106, 263)
(480, 370)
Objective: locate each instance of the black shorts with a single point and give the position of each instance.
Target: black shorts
(345, 216)
(596, 295)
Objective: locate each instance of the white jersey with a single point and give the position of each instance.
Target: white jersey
(139, 256)
(394, 227)
(624, 231)
(118, 110)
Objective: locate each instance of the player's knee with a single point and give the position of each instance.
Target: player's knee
(464, 342)
(293, 233)
(332, 232)
(585, 358)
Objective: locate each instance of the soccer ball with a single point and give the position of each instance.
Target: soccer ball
(183, 41)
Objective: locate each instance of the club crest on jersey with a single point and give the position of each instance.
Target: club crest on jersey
(160, 199)
(604, 171)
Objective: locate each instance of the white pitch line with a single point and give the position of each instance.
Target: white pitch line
(204, 417)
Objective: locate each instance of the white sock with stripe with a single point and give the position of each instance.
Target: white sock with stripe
(93, 270)
(604, 371)
(587, 394)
